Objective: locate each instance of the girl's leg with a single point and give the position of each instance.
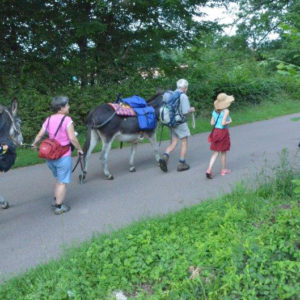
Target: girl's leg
(212, 161)
(224, 171)
(223, 160)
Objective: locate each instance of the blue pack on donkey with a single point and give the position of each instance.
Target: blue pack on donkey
(145, 114)
(10, 137)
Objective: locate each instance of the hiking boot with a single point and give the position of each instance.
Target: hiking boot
(182, 166)
(64, 208)
(163, 163)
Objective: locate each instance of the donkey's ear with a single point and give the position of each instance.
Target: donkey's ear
(1, 109)
(14, 107)
(159, 90)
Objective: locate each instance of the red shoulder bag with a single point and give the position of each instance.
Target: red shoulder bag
(50, 148)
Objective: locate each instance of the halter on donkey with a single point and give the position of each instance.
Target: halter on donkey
(104, 124)
(10, 135)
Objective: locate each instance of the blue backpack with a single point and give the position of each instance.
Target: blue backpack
(146, 118)
(135, 101)
(169, 113)
(145, 114)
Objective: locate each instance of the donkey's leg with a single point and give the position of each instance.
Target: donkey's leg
(132, 156)
(4, 204)
(94, 139)
(106, 146)
(153, 142)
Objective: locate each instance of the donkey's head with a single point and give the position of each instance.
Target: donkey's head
(10, 124)
(156, 101)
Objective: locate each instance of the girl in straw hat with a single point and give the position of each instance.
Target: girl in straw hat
(220, 138)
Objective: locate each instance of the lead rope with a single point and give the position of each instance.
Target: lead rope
(193, 121)
(161, 132)
(79, 160)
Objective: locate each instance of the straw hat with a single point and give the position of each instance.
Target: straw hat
(223, 101)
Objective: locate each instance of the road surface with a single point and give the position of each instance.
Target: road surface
(31, 234)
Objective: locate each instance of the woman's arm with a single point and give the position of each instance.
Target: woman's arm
(38, 137)
(73, 138)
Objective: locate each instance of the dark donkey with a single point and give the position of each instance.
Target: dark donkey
(104, 124)
(10, 135)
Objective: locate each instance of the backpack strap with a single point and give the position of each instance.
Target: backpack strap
(215, 123)
(47, 125)
(61, 121)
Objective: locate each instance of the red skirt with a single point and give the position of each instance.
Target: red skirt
(220, 140)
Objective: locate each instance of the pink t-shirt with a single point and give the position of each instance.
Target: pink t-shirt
(62, 135)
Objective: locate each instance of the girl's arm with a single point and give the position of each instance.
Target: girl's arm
(224, 120)
(212, 121)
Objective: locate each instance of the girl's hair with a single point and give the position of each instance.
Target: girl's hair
(218, 110)
(58, 102)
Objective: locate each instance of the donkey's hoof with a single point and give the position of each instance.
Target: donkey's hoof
(4, 204)
(81, 179)
(132, 169)
(110, 177)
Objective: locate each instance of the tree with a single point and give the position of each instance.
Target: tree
(95, 40)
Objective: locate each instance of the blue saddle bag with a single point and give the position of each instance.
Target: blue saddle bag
(146, 117)
(135, 101)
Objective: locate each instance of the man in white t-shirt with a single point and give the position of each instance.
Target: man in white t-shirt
(180, 132)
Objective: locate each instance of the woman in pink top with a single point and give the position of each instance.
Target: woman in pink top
(62, 167)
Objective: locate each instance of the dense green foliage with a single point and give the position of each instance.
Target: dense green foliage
(92, 50)
(209, 72)
(244, 245)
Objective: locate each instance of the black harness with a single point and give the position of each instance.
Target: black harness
(8, 157)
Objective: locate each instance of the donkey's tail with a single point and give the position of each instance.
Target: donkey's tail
(86, 145)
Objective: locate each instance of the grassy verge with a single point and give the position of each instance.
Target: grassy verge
(242, 246)
(264, 111)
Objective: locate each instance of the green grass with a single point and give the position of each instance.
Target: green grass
(244, 245)
(264, 111)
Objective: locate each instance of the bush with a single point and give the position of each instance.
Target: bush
(209, 72)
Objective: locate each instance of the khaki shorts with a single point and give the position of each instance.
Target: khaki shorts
(181, 131)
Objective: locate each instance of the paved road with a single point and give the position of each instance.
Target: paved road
(31, 234)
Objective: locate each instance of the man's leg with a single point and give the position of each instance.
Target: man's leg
(184, 146)
(163, 162)
(173, 145)
(183, 166)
